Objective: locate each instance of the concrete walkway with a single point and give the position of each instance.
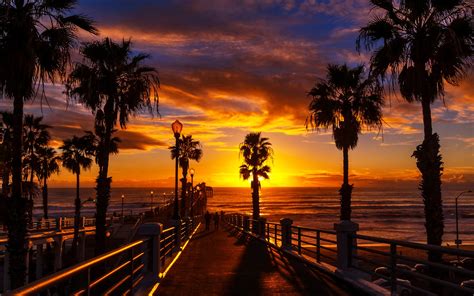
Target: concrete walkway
(218, 262)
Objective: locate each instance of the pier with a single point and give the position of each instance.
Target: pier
(246, 256)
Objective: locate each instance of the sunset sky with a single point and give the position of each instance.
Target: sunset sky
(230, 67)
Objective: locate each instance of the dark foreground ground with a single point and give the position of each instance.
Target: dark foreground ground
(219, 262)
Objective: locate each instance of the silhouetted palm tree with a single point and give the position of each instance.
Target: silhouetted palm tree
(256, 150)
(35, 136)
(189, 149)
(35, 40)
(346, 102)
(47, 165)
(77, 154)
(423, 44)
(114, 84)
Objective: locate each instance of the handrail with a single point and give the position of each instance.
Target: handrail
(57, 277)
(393, 260)
(426, 247)
(154, 252)
(307, 243)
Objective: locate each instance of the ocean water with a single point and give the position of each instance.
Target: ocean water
(396, 214)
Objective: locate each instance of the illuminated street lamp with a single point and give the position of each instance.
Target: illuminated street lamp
(123, 197)
(458, 241)
(176, 127)
(151, 203)
(192, 171)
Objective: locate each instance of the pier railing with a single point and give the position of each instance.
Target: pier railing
(399, 267)
(404, 265)
(102, 275)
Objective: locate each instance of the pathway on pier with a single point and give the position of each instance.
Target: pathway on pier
(224, 263)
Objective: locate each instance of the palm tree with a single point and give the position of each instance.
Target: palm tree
(35, 41)
(35, 137)
(423, 44)
(114, 84)
(189, 149)
(47, 165)
(346, 102)
(256, 150)
(77, 154)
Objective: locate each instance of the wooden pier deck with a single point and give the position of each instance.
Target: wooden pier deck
(220, 262)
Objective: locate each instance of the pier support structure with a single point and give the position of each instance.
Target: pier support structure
(345, 230)
(153, 231)
(286, 224)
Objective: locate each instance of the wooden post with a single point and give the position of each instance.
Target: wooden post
(318, 246)
(393, 266)
(286, 233)
(6, 274)
(346, 243)
(58, 252)
(39, 261)
(153, 262)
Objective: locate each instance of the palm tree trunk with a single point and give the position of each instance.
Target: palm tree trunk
(103, 192)
(427, 123)
(30, 201)
(45, 198)
(17, 209)
(430, 165)
(77, 217)
(255, 197)
(346, 189)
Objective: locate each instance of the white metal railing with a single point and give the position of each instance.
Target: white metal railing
(99, 276)
(411, 270)
(369, 255)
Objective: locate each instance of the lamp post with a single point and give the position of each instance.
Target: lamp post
(151, 204)
(176, 127)
(191, 172)
(123, 197)
(458, 241)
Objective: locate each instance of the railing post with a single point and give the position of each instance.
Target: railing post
(59, 223)
(268, 232)
(346, 243)
(286, 233)
(318, 246)
(39, 261)
(276, 235)
(299, 240)
(153, 231)
(82, 247)
(177, 234)
(262, 222)
(246, 224)
(393, 266)
(83, 222)
(58, 252)
(6, 273)
(188, 228)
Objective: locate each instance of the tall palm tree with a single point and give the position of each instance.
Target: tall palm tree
(47, 165)
(35, 40)
(423, 45)
(189, 149)
(77, 154)
(114, 84)
(35, 137)
(256, 150)
(346, 102)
